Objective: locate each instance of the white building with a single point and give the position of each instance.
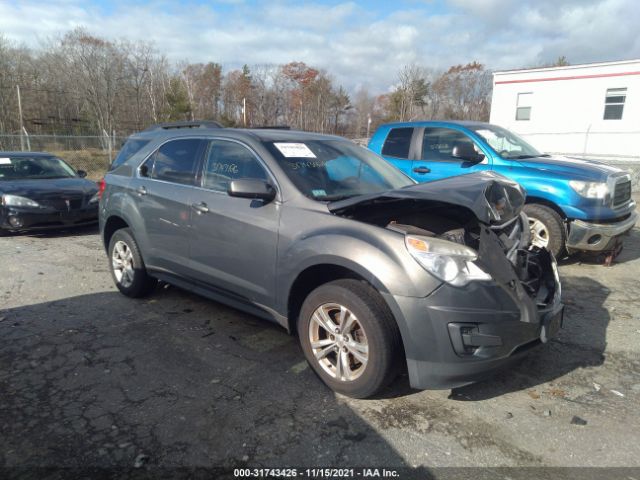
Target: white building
(590, 110)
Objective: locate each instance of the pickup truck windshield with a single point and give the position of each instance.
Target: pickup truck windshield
(329, 170)
(28, 168)
(507, 144)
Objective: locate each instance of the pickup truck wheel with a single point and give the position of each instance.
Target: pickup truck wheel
(349, 337)
(127, 268)
(547, 228)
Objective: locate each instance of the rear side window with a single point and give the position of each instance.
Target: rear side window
(177, 161)
(228, 161)
(397, 143)
(128, 150)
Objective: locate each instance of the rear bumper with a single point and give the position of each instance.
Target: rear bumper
(27, 219)
(597, 236)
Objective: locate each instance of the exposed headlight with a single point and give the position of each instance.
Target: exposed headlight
(589, 189)
(17, 201)
(450, 262)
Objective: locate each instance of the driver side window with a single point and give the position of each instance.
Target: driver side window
(438, 144)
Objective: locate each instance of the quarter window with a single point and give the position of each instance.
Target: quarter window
(177, 161)
(523, 106)
(438, 143)
(614, 103)
(397, 143)
(228, 161)
(128, 150)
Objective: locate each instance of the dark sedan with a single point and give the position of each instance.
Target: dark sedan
(41, 191)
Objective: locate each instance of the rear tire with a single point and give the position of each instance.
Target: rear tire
(547, 228)
(365, 337)
(126, 265)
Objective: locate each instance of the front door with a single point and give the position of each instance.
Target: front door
(234, 241)
(435, 159)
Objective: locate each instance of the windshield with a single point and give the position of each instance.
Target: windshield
(26, 168)
(328, 170)
(507, 144)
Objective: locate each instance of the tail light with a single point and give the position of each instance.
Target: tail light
(98, 195)
(101, 186)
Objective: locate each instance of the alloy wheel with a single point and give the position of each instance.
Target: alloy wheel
(338, 342)
(122, 263)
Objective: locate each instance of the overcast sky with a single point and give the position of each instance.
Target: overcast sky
(359, 43)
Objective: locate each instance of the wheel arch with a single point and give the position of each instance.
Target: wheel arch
(312, 277)
(111, 226)
(546, 203)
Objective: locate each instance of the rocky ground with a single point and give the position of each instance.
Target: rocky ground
(89, 378)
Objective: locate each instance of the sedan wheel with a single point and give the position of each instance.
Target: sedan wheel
(338, 342)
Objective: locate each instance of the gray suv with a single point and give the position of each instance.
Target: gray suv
(374, 272)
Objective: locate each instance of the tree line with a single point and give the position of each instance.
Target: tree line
(80, 84)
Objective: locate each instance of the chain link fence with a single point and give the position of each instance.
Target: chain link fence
(93, 154)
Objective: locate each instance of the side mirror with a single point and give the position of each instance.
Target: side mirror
(144, 170)
(81, 173)
(251, 188)
(465, 151)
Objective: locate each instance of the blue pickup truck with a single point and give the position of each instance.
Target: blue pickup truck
(572, 204)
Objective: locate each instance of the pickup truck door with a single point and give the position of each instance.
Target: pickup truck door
(399, 148)
(433, 155)
(234, 240)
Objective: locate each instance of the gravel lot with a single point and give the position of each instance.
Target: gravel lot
(89, 378)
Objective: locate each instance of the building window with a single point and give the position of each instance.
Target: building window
(614, 103)
(523, 106)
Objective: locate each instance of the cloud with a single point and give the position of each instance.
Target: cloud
(359, 44)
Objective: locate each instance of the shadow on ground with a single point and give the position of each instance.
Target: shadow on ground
(171, 381)
(57, 232)
(581, 343)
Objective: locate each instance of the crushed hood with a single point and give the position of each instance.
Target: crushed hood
(493, 198)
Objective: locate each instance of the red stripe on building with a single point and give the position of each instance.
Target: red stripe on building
(577, 77)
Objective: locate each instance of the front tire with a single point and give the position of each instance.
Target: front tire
(126, 265)
(350, 338)
(547, 228)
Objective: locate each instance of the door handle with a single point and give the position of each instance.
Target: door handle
(200, 208)
(142, 191)
(421, 170)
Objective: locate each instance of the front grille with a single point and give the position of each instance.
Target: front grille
(622, 193)
(64, 203)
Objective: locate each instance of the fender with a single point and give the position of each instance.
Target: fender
(376, 258)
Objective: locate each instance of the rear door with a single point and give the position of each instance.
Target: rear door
(398, 148)
(163, 190)
(234, 240)
(434, 155)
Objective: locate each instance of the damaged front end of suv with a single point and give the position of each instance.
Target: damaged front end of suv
(498, 297)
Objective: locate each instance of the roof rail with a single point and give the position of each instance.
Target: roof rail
(273, 127)
(176, 125)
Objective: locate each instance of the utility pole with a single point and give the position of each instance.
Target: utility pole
(21, 123)
(244, 111)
